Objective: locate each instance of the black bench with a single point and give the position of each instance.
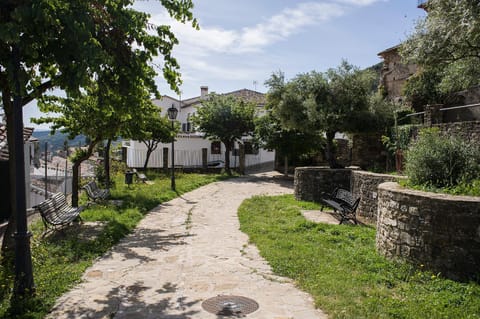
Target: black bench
(94, 192)
(140, 176)
(343, 202)
(55, 211)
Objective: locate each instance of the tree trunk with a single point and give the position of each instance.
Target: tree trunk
(76, 170)
(106, 163)
(147, 158)
(151, 147)
(285, 168)
(228, 147)
(8, 243)
(330, 151)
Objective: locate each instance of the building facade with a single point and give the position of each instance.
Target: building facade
(190, 145)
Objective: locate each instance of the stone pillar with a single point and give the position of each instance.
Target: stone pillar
(433, 114)
(165, 159)
(204, 158)
(242, 159)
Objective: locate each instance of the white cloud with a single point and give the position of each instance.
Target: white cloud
(208, 53)
(285, 24)
(254, 38)
(360, 2)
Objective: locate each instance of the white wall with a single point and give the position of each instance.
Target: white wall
(188, 152)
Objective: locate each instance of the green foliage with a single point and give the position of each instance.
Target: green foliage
(338, 265)
(226, 119)
(151, 129)
(442, 161)
(338, 100)
(60, 259)
(399, 139)
(270, 134)
(447, 47)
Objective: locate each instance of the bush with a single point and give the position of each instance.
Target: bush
(441, 161)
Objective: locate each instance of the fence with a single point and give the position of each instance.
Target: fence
(194, 158)
(54, 179)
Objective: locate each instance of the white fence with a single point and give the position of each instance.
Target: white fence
(193, 158)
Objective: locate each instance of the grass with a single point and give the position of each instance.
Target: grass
(60, 259)
(339, 267)
(471, 188)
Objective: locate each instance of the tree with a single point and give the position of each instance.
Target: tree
(270, 134)
(335, 101)
(101, 113)
(64, 44)
(154, 130)
(284, 136)
(446, 46)
(227, 119)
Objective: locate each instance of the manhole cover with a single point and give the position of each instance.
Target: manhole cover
(230, 305)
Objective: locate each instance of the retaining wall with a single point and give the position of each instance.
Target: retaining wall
(310, 182)
(364, 185)
(441, 232)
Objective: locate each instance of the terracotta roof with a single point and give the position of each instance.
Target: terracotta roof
(27, 133)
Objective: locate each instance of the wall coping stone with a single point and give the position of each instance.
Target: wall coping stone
(397, 188)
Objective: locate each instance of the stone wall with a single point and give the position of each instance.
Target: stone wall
(364, 185)
(470, 131)
(368, 151)
(441, 232)
(310, 182)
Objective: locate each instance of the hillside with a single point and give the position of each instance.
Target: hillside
(56, 141)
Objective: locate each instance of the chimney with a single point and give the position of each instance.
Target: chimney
(203, 91)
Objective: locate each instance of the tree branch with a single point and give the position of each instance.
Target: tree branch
(37, 92)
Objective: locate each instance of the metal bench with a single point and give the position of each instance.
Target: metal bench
(343, 202)
(94, 192)
(56, 212)
(140, 176)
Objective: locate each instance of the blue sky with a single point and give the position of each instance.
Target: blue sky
(240, 43)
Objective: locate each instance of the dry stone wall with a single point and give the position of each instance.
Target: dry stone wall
(441, 232)
(364, 185)
(310, 182)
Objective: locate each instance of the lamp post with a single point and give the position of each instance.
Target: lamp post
(172, 115)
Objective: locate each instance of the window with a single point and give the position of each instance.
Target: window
(216, 148)
(187, 127)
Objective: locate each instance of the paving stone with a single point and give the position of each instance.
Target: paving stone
(165, 269)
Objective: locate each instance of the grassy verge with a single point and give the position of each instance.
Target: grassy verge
(471, 188)
(59, 260)
(338, 266)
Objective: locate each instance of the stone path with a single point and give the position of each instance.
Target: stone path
(184, 252)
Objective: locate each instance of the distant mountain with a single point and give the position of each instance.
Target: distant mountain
(56, 141)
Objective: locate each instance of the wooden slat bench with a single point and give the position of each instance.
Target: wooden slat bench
(94, 192)
(343, 202)
(56, 212)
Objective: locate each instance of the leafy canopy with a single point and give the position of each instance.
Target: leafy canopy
(225, 118)
(338, 100)
(446, 46)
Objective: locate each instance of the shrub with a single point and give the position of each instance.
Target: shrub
(442, 161)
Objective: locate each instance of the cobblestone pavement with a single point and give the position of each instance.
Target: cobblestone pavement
(184, 252)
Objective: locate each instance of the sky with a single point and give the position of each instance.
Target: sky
(241, 43)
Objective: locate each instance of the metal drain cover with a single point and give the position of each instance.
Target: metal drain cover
(230, 305)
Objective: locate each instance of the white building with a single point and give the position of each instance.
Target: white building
(189, 144)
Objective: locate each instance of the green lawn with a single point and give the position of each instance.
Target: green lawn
(339, 267)
(60, 260)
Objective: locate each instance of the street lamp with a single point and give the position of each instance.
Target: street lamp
(172, 115)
